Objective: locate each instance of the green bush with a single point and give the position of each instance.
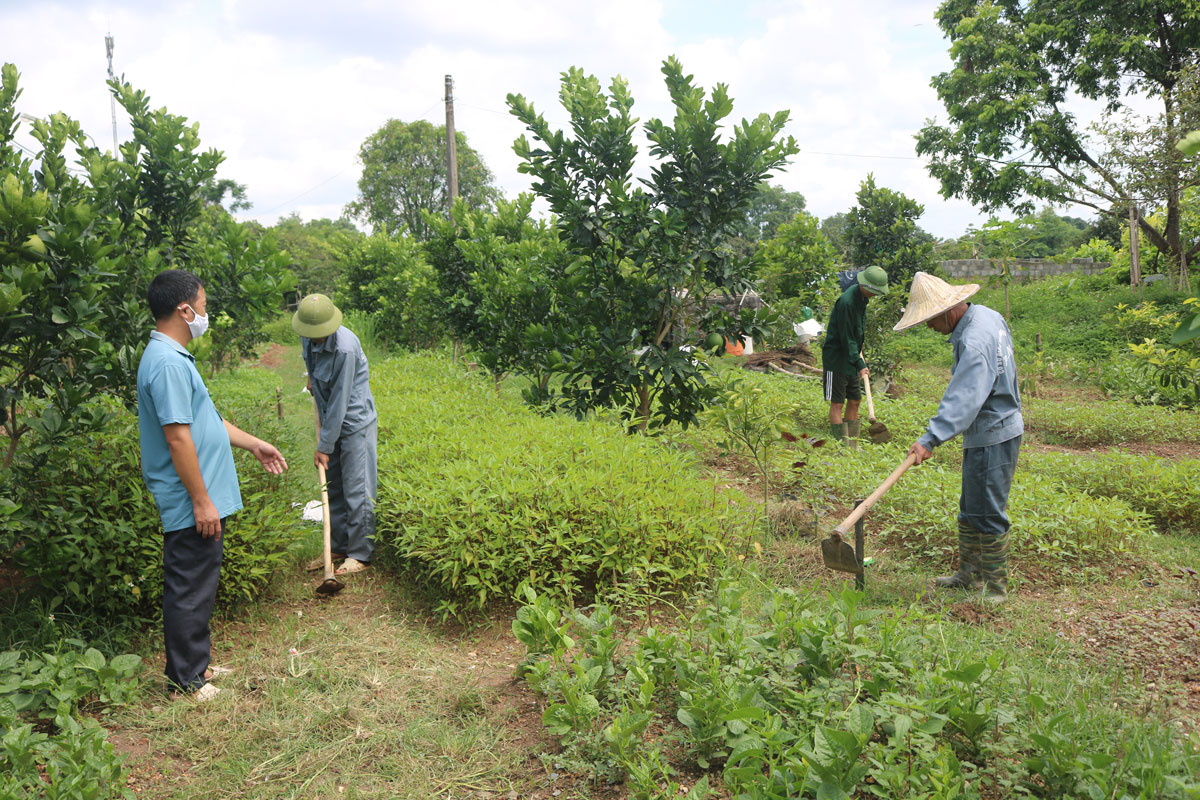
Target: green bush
(52, 692)
(81, 523)
(1109, 423)
(279, 330)
(782, 695)
(478, 493)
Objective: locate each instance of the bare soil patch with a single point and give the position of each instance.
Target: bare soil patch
(1158, 643)
(272, 356)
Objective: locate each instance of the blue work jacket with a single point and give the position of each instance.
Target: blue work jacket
(983, 401)
(341, 385)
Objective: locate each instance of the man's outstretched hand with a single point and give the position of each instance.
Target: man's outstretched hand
(269, 456)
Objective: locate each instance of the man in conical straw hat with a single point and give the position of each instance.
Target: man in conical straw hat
(983, 404)
(841, 354)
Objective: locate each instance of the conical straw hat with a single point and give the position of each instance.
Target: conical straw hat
(930, 296)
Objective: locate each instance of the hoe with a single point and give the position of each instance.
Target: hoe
(330, 584)
(836, 551)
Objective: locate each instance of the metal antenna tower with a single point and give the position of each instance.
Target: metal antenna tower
(108, 46)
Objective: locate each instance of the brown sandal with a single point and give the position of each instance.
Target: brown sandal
(318, 564)
(351, 565)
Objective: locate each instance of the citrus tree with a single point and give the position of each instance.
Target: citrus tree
(643, 262)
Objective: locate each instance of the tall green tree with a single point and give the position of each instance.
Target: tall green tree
(78, 245)
(834, 228)
(497, 274)
(214, 194)
(404, 175)
(642, 262)
(1010, 138)
(315, 250)
(798, 261)
(390, 278)
(771, 207)
(882, 230)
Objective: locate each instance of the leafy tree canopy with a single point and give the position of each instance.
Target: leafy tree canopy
(215, 191)
(404, 175)
(882, 230)
(834, 228)
(770, 207)
(1010, 139)
(315, 249)
(798, 261)
(643, 262)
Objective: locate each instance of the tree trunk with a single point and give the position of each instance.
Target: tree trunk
(1135, 256)
(643, 392)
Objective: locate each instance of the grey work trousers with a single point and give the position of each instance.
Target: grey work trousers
(191, 572)
(352, 478)
(987, 475)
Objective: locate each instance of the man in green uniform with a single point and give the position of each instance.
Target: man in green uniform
(841, 355)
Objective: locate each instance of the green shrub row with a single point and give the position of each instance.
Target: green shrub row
(1111, 422)
(1164, 490)
(478, 493)
(1054, 524)
(782, 695)
(81, 524)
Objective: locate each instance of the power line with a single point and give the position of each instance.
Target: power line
(306, 191)
(857, 155)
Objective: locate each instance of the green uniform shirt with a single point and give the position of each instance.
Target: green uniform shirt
(842, 351)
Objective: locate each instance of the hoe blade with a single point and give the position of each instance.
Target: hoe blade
(839, 555)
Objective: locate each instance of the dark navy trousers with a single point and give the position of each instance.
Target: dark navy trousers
(987, 476)
(352, 479)
(191, 572)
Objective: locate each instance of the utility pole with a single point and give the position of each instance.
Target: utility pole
(1135, 259)
(451, 148)
(108, 45)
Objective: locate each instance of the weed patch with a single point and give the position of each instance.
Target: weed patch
(48, 746)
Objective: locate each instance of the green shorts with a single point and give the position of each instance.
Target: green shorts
(839, 388)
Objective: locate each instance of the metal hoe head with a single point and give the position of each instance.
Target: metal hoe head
(879, 433)
(333, 586)
(838, 554)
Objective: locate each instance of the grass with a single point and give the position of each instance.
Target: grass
(353, 696)
(377, 701)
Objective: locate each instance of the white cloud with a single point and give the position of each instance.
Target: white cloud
(289, 90)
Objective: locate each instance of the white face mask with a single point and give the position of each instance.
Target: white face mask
(198, 325)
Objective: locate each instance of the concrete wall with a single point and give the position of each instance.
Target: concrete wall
(1023, 269)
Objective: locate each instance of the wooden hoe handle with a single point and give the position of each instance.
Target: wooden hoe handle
(870, 402)
(857, 513)
(328, 550)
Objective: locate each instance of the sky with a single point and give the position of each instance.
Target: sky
(288, 90)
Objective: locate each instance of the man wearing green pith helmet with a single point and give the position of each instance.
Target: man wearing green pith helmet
(339, 379)
(841, 355)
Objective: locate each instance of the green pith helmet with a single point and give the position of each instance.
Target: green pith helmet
(316, 317)
(874, 280)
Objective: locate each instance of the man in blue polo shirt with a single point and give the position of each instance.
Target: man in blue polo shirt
(187, 463)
